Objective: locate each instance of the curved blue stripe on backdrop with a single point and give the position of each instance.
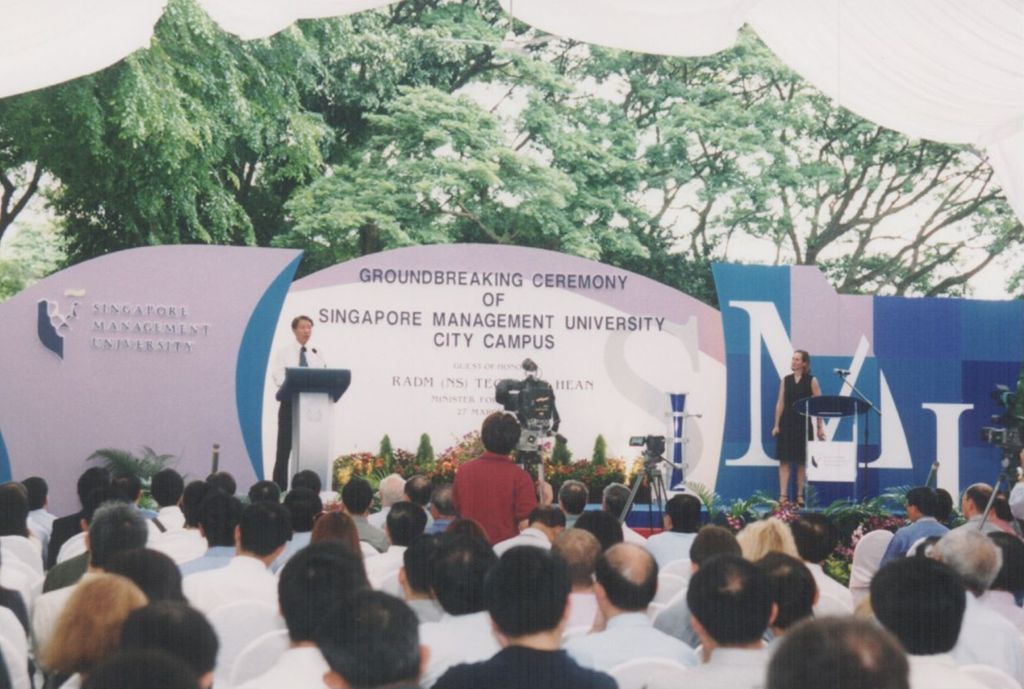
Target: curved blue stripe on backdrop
(5, 461)
(251, 368)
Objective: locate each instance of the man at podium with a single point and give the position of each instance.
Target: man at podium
(297, 353)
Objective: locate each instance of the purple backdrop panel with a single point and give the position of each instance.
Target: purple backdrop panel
(139, 347)
(824, 320)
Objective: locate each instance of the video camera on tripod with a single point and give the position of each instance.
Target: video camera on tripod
(532, 400)
(654, 446)
(1006, 431)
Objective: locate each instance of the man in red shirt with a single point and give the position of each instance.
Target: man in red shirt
(491, 489)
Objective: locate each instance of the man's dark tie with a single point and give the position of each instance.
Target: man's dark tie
(302, 357)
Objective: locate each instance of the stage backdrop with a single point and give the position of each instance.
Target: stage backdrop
(428, 331)
(929, 365)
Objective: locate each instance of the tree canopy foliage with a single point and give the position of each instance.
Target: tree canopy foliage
(435, 121)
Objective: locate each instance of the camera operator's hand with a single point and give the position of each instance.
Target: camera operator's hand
(545, 493)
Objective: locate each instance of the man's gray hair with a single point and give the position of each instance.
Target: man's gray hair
(392, 490)
(972, 555)
(115, 527)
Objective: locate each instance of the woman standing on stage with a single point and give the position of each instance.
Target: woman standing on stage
(791, 444)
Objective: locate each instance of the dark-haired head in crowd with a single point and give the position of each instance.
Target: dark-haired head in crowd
(613, 500)
(13, 510)
(838, 653)
(681, 522)
(128, 487)
(370, 640)
(307, 478)
(922, 506)
(542, 527)
(312, 584)
(442, 509)
(66, 527)
(732, 607)
(177, 629)
(136, 670)
(816, 537)
(264, 491)
(405, 523)
(572, 498)
(793, 590)
(336, 527)
(223, 481)
(414, 577)
(191, 502)
(1009, 582)
(943, 506)
(467, 528)
(154, 573)
(972, 506)
(418, 489)
(526, 594)
(357, 496)
(627, 579)
(304, 506)
(219, 515)
(457, 582)
(603, 526)
(71, 567)
(921, 602)
(166, 487)
(40, 521)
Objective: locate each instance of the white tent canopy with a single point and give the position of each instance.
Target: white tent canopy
(945, 70)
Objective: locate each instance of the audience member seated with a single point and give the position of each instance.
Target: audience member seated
(579, 550)
(40, 521)
(922, 506)
(309, 479)
(136, 670)
(392, 490)
(793, 590)
(13, 601)
(543, 526)
(442, 509)
(166, 488)
(15, 536)
(986, 637)
(154, 573)
(676, 620)
(943, 506)
(526, 593)
(419, 489)
(186, 543)
(68, 571)
(838, 653)
(336, 527)
(128, 488)
(681, 522)
(312, 584)
(922, 603)
(115, 527)
(259, 538)
(732, 606)
(468, 528)
(177, 629)
(357, 495)
(219, 515)
(492, 489)
(613, 500)
(627, 579)
(463, 634)
(89, 627)
(264, 491)
(972, 506)
(1000, 596)
(572, 498)
(405, 524)
(304, 506)
(816, 538)
(223, 481)
(370, 641)
(414, 578)
(605, 527)
(66, 527)
(764, 536)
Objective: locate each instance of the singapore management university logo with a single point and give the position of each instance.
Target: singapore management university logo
(53, 320)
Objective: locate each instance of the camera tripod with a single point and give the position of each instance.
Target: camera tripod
(655, 479)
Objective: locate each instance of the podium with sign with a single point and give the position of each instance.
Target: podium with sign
(313, 392)
(832, 460)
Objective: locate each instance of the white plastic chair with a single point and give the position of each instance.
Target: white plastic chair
(368, 550)
(655, 609)
(12, 632)
(668, 586)
(73, 547)
(640, 673)
(17, 576)
(237, 624)
(867, 557)
(573, 632)
(24, 550)
(390, 585)
(17, 664)
(259, 656)
(991, 677)
(681, 568)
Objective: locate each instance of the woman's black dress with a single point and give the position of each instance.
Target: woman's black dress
(790, 445)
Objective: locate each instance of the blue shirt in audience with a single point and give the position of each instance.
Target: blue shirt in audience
(216, 557)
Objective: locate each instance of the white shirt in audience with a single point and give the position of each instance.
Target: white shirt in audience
(728, 668)
(528, 536)
(835, 598)
(456, 639)
(382, 566)
(47, 611)
(582, 609)
(40, 523)
(379, 519)
(1004, 603)
(181, 545)
(988, 638)
(73, 547)
(302, 667)
(299, 540)
(626, 636)
(630, 536)
(669, 546)
(171, 517)
(244, 578)
(940, 670)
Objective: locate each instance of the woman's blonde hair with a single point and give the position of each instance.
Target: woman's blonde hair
(771, 535)
(89, 629)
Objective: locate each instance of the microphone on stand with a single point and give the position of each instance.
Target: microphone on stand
(841, 372)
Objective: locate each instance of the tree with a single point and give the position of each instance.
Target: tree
(386, 452)
(424, 451)
(599, 457)
(560, 453)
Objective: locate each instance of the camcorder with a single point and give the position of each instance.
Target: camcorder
(654, 445)
(1006, 429)
(532, 400)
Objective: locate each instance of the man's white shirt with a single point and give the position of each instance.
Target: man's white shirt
(529, 536)
(243, 578)
(303, 667)
(287, 356)
(456, 639)
(626, 636)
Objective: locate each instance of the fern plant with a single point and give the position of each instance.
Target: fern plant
(120, 462)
